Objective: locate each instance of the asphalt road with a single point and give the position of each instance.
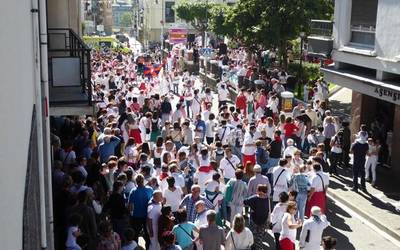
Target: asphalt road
(350, 232)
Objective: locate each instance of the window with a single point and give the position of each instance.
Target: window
(169, 12)
(363, 22)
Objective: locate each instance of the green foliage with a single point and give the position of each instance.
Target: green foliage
(219, 23)
(308, 72)
(263, 24)
(196, 13)
(126, 19)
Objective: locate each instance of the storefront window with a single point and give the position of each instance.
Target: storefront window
(169, 12)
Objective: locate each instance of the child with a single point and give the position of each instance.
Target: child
(73, 232)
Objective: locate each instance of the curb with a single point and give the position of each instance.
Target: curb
(366, 216)
(334, 91)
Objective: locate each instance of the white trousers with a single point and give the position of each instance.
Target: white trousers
(370, 164)
(154, 244)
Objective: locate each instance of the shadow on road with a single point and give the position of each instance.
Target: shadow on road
(338, 222)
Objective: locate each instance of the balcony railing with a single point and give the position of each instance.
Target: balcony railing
(64, 44)
(321, 28)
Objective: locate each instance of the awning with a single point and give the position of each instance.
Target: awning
(387, 91)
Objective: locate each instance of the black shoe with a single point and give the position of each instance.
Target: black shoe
(354, 190)
(364, 189)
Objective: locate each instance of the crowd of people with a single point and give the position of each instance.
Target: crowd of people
(167, 159)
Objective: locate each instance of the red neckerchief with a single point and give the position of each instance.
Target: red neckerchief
(163, 175)
(205, 169)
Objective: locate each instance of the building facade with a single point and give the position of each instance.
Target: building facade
(366, 55)
(159, 16)
(119, 8)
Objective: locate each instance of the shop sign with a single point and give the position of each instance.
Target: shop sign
(388, 94)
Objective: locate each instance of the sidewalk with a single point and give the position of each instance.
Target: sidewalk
(379, 206)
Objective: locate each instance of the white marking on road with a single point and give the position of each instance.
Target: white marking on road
(366, 222)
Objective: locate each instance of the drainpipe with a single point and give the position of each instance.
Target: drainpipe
(45, 85)
(39, 123)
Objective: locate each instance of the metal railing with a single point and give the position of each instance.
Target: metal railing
(321, 28)
(65, 42)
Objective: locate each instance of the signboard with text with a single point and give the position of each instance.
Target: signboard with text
(178, 35)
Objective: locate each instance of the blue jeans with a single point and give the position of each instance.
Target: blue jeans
(272, 162)
(301, 200)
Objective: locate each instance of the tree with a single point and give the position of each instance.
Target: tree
(261, 24)
(195, 13)
(126, 19)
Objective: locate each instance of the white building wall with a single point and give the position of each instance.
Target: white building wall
(16, 104)
(387, 41)
(386, 54)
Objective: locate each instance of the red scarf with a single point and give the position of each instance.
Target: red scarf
(163, 176)
(205, 169)
(277, 138)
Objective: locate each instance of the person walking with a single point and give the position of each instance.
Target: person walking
(311, 233)
(239, 237)
(211, 236)
(276, 217)
(137, 204)
(371, 161)
(153, 215)
(317, 195)
(359, 148)
(287, 238)
(301, 184)
(236, 192)
(260, 208)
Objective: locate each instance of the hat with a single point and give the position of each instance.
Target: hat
(315, 210)
(257, 168)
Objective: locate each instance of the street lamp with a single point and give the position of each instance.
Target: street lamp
(302, 36)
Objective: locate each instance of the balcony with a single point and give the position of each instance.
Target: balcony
(69, 69)
(320, 40)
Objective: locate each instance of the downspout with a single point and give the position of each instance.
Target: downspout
(45, 85)
(39, 123)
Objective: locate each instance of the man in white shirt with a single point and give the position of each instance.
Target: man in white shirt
(312, 114)
(280, 177)
(249, 146)
(223, 133)
(229, 164)
(211, 125)
(223, 95)
(311, 233)
(153, 214)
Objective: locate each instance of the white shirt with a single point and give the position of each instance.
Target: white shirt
(71, 239)
(202, 178)
(276, 217)
(290, 150)
(280, 184)
(286, 232)
(223, 134)
(248, 139)
(316, 229)
(210, 128)
(316, 181)
(226, 167)
(242, 240)
(223, 94)
(173, 198)
(153, 213)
